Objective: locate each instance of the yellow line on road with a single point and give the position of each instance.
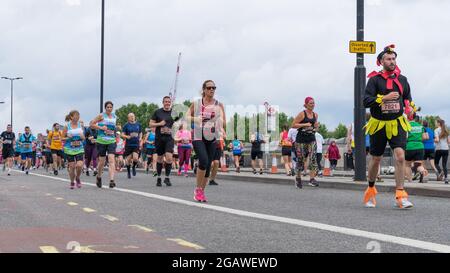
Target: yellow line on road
(186, 243)
(142, 228)
(48, 194)
(72, 204)
(49, 249)
(88, 210)
(110, 218)
(59, 198)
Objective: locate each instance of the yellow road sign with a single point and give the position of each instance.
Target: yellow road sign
(365, 47)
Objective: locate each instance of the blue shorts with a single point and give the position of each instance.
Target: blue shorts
(237, 153)
(26, 155)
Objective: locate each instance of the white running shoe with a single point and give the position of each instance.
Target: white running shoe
(405, 204)
(370, 204)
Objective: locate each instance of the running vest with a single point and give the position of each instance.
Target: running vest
(74, 143)
(285, 140)
(151, 138)
(56, 140)
(209, 115)
(26, 146)
(307, 135)
(237, 147)
(107, 137)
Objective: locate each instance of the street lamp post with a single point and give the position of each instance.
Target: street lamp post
(102, 55)
(360, 111)
(12, 91)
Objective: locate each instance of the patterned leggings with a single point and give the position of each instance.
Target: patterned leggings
(305, 150)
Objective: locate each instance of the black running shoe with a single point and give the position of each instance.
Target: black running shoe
(213, 183)
(134, 170)
(167, 182)
(421, 178)
(298, 182)
(128, 173)
(261, 172)
(158, 182)
(87, 173)
(95, 173)
(112, 184)
(416, 176)
(26, 172)
(155, 174)
(313, 183)
(254, 171)
(99, 182)
(23, 168)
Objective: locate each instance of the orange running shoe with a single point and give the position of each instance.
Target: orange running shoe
(401, 200)
(369, 197)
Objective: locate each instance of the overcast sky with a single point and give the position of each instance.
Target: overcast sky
(256, 50)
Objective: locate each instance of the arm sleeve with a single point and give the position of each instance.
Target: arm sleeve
(370, 95)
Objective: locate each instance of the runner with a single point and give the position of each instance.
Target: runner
(8, 139)
(286, 147)
(55, 142)
(415, 150)
(292, 134)
(442, 141)
(184, 140)
(305, 144)
(162, 120)
(319, 141)
(208, 116)
(152, 157)
(73, 147)
(132, 133)
(39, 150)
(105, 124)
(18, 152)
(236, 146)
(26, 149)
(430, 148)
(120, 150)
(387, 102)
(256, 153)
(90, 150)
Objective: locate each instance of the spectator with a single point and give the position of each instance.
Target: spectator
(333, 154)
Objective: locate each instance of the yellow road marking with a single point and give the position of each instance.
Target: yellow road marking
(142, 228)
(88, 210)
(59, 198)
(49, 249)
(72, 204)
(186, 243)
(48, 194)
(110, 218)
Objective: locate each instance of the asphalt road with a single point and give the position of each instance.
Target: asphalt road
(41, 214)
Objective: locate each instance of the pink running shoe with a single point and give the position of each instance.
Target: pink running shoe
(78, 183)
(198, 195)
(204, 200)
(72, 185)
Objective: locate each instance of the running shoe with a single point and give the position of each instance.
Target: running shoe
(128, 173)
(95, 172)
(26, 172)
(421, 178)
(254, 171)
(167, 182)
(55, 172)
(261, 172)
(313, 183)
(213, 183)
(369, 197)
(78, 183)
(72, 185)
(416, 176)
(158, 182)
(87, 172)
(198, 195)
(99, 182)
(446, 180)
(133, 170)
(204, 200)
(401, 200)
(112, 184)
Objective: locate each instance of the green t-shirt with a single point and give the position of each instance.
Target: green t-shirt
(415, 137)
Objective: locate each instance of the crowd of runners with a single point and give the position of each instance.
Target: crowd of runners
(175, 140)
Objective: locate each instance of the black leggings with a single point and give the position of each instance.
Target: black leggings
(205, 150)
(444, 155)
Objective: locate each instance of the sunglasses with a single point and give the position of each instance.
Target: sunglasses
(211, 88)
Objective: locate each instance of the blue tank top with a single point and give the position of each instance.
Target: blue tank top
(151, 138)
(429, 144)
(236, 147)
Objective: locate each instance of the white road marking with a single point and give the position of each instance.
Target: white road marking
(308, 224)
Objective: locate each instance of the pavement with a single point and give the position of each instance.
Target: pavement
(39, 213)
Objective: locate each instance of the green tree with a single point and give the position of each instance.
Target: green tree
(340, 131)
(431, 121)
(323, 130)
(143, 113)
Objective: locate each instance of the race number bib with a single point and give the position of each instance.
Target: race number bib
(109, 132)
(390, 107)
(7, 142)
(134, 134)
(166, 130)
(27, 145)
(75, 143)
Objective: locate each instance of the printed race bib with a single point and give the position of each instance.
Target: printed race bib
(166, 130)
(109, 132)
(7, 142)
(390, 107)
(27, 145)
(134, 134)
(75, 143)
